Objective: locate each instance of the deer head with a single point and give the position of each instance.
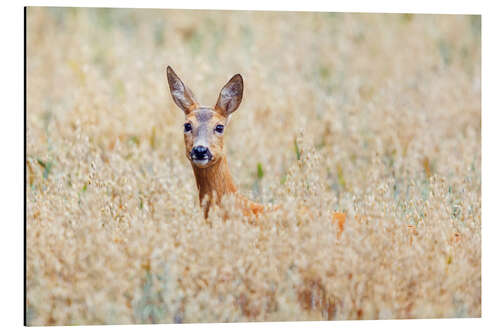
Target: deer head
(204, 126)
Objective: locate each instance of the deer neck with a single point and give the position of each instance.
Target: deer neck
(214, 179)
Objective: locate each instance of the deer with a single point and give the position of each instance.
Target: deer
(204, 129)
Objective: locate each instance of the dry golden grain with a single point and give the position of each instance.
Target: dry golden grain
(375, 116)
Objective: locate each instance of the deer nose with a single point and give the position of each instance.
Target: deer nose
(200, 153)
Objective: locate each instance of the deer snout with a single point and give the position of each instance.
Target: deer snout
(201, 153)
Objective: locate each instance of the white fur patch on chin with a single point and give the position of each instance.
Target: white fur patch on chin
(200, 162)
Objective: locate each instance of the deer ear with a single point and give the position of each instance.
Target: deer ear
(230, 96)
(181, 94)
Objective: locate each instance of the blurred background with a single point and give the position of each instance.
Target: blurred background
(342, 79)
(369, 114)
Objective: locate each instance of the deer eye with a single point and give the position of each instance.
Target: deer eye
(187, 127)
(219, 128)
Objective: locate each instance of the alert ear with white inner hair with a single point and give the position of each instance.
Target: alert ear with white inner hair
(230, 96)
(181, 94)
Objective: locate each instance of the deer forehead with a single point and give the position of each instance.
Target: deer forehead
(205, 116)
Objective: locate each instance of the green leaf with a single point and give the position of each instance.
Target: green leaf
(260, 171)
(47, 167)
(340, 175)
(297, 150)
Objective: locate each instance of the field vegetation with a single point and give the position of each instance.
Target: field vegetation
(374, 115)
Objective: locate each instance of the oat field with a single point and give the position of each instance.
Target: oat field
(374, 115)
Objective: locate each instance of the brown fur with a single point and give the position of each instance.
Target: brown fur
(213, 178)
(216, 181)
(214, 141)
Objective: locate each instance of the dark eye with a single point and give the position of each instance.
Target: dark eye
(219, 128)
(187, 127)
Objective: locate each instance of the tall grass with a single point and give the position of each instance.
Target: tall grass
(378, 116)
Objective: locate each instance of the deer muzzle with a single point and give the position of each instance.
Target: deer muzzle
(201, 155)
